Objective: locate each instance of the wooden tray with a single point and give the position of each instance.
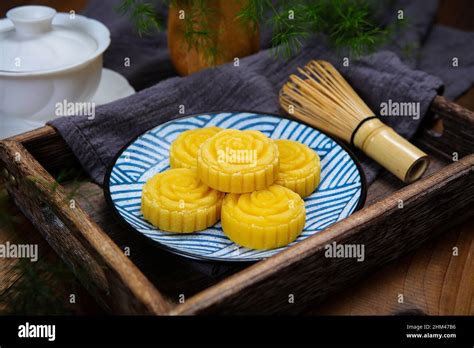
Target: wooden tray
(127, 275)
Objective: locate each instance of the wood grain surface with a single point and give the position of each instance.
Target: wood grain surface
(432, 280)
(76, 238)
(386, 241)
(385, 229)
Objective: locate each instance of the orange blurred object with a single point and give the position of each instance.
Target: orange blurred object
(232, 39)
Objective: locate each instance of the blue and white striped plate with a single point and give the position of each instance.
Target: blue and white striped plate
(340, 193)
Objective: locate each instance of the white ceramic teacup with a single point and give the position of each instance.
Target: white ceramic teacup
(47, 58)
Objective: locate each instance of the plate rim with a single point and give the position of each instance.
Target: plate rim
(122, 221)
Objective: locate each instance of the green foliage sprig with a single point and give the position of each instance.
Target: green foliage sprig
(198, 31)
(142, 14)
(348, 24)
(36, 290)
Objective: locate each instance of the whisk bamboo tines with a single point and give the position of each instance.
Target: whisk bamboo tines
(322, 98)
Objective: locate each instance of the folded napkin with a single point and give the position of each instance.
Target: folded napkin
(255, 84)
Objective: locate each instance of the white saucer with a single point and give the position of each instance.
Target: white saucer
(112, 87)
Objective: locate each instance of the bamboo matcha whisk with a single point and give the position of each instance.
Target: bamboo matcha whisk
(324, 99)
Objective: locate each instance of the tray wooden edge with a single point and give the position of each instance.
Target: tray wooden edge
(120, 287)
(97, 261)
(262, 282)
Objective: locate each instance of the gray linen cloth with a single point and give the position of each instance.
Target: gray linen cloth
(255, 84)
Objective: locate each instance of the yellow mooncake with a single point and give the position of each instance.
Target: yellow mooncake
(265, 219)
(177, 201)
(184, 150)
(238, 161)
(300, 167)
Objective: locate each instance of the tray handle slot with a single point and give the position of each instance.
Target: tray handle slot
(453, 137)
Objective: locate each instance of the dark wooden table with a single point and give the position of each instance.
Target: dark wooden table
(433, 280)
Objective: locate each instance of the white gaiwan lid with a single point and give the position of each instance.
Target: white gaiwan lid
(35, 39)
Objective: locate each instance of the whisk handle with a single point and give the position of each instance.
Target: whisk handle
(354, 132)
(391, 150)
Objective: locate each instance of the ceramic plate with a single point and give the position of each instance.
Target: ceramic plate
(340, 193)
